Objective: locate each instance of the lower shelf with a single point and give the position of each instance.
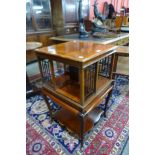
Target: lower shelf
(73, 123)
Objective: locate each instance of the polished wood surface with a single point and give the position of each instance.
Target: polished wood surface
(77, 51)
(70, 90)
(72, 122)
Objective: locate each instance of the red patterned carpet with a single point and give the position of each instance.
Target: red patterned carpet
(36, 144)
(112, 134)
(107, 138)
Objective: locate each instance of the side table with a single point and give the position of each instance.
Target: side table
(30, 58)
(77, 96)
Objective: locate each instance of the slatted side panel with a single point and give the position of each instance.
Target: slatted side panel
(89, 80)
(46, 71)
(105, 66)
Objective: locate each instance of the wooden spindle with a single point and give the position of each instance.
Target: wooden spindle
(52, 74)
(82, 95)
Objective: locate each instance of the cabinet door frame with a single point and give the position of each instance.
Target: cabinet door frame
(76, 3)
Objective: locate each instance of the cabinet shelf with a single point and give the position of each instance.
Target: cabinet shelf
(71, 89)
(73, 122)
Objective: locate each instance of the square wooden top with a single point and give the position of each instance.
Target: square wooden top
(76, 51)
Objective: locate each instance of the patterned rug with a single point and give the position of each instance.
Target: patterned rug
(108, 137)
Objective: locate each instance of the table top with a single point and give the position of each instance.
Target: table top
(105, 40)
(77, 51)
(33, 45)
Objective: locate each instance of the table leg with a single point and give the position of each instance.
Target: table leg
(114, 65)
(48, 105)
(106, 103)
(82, 129)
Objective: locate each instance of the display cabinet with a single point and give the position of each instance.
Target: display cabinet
(38, 15)
(65, 15)
(77, 76)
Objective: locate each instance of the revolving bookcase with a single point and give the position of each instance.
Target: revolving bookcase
(77, 76)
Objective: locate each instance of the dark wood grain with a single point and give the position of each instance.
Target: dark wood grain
(77, 51)
(65, 15)
(70, 11)
(41, 37)
(73, 122)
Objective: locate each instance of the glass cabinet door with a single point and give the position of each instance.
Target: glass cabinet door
(38, 15)
(85, 9)
(29, 22)
(42, 14)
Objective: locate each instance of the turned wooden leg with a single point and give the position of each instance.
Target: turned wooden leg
(82, 129)
(48, 105)
(106, 103)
